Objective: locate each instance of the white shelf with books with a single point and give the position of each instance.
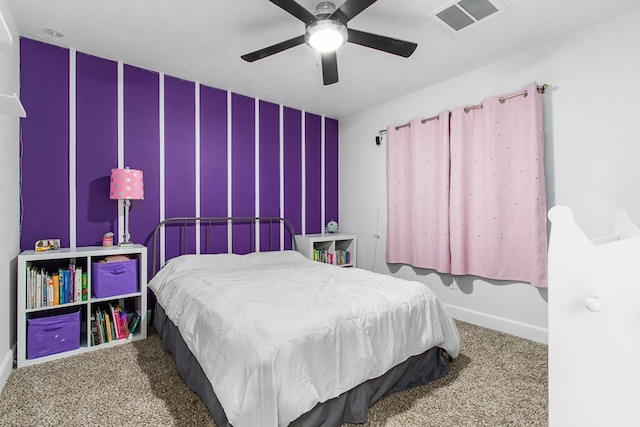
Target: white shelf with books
(72, 300)
(330, 248)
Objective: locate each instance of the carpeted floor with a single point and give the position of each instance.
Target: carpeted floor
(498, 380)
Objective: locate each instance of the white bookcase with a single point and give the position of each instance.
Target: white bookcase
(331, 243)
(82, 257)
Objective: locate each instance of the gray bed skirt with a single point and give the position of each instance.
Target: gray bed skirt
(350, 407)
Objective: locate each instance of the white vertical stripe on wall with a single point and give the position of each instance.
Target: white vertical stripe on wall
(257, 171)
(323, 220)
(303, 144)
(281, 169)
(197, 171)
(121, 159)
(229, 139)
(162, 195)
(72, 148)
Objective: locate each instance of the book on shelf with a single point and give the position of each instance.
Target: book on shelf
(84, 286)
(72, 282)
(49, 291)
(133, 323)
(66, 275)
(101, 331)
(38, 288)
(95, 327)
(78, 284)
(107, 328)
(56, 289)
(123, 323)
(61, 286)
(95, 331)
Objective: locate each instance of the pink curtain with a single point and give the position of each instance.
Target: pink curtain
(498, 204)
(418, 194)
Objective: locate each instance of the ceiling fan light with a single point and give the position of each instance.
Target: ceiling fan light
(326, 35)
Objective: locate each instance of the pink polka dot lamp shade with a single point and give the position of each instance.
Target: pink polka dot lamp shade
(126, 184)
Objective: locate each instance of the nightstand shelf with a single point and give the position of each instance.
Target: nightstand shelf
(64, 329)
(331, 248)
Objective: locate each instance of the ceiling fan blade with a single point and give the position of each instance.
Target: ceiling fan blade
(350, 9)
(386, 44)
(329, 68)
(296, 10)
(276, 48)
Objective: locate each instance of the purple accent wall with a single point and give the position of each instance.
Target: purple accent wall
(331, 170)
(292, 168)
(96, 147)
(243, 155)
(313, 173)
(179, 165)
(45, 169)
(269, 172)
(213, 165)
(142, 149)
(44, 92)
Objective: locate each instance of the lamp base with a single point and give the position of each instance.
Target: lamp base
(126, 236)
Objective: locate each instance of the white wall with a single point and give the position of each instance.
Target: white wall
(592, 133)
(9, 201)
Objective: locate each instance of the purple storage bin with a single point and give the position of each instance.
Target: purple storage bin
(114, 278)
(53, 334)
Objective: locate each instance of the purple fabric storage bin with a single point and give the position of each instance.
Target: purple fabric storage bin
(114, 278)
(53, 334)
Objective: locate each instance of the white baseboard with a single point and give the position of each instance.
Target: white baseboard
(508, 326)
(5, 368)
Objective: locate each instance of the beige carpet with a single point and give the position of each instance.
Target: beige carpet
(498, 380)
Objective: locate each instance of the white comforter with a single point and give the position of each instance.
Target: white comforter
(276, 333)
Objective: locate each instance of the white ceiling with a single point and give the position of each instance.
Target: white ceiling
(202, 40)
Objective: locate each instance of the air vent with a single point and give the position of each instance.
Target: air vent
(461, 15)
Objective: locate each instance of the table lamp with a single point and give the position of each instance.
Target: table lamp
(127, 185)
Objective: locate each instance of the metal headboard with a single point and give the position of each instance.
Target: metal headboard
(207, 224)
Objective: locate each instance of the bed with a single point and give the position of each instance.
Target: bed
(270, 338)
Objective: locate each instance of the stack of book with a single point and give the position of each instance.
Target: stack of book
(110, 323)
(46, 288)
(338, 257)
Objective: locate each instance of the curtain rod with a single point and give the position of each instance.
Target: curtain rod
(502, 99)
(423, 121)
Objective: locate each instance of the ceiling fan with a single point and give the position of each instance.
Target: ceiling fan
(326, 30)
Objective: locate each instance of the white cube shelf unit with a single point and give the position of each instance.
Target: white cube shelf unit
(333, 245)
(131, 299)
